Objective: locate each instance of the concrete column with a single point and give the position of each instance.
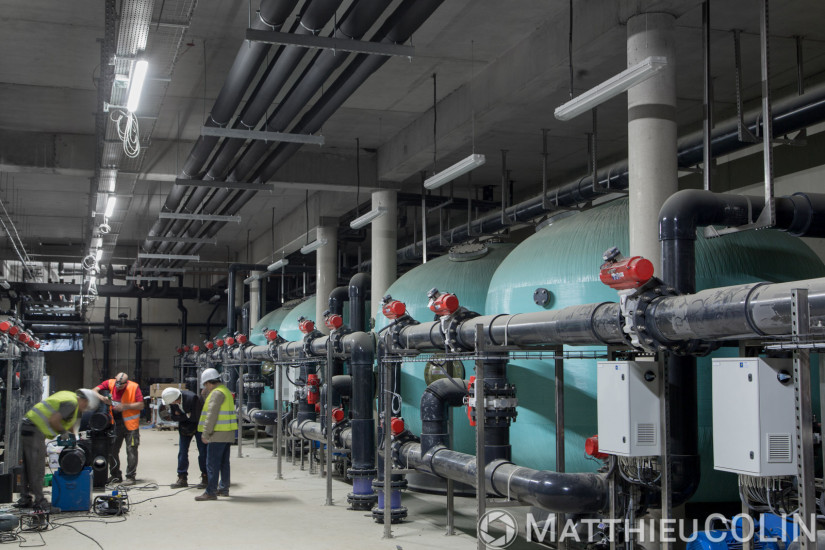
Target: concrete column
(651, 131)
(384, 242)
(326, 273)
(254, 303)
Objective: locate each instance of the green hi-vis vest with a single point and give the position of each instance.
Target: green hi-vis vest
(39, 414)
(227, 419)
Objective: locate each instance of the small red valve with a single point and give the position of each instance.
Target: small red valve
(13, 330)
(210, 345)
(186, 348)
(219, 342)
(337, 414)
(620, 273)
(470, 409)
(397, 425)
(271, 335)
(23, 337)
(242, 339)
(591, 447)
(312, 388)
(442, 303)
(5, 326)
(305, 325)
(393, 309)
(317, 407)
(230, 341)
(179, 350)
(31, 343)
(333, 321)
(37, 345)
(196, 348)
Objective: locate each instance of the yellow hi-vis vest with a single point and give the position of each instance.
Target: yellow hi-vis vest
(227, 418)
(39, 414)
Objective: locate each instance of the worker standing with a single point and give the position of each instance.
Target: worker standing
(217, 425)
(126, 400)
(185, 408)
(55, 416)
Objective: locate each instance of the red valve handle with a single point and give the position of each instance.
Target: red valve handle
(469, 408)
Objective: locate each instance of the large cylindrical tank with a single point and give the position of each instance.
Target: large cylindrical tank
(466, 272)
(271, 320)
(564, 258)
(289, 326)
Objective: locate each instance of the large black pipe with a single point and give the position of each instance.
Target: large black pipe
(441, 394)
(359, 289)
(553, 491)
(184, 322)
(337, 297)
(362, 357)
(231, 317)
(139, 341)
(789, 115)
(112, 291)
(272, 14)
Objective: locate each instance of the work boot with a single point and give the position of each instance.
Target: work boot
(206, 496)
(112, 480)
(223, 492)
(129, 481)
(23, 503)
(204, 482)
(180, 483)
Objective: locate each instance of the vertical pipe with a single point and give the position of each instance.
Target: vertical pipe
(423, 219)
(707, 126)
(326, 273)
(139, 342)
(767, 218)
(254, 303)
(107, 327)
(279, 427)
(384, 243)
(230, 302)
(481, 462)
(238, 408)
(651, 132)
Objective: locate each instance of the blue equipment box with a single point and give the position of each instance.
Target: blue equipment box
(72, 493)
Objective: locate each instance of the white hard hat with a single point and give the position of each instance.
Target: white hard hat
(209, 375)
(170, 395)
(91, 397)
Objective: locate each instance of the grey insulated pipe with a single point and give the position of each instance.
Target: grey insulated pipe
(231, 318)
(442, 393)
(790, 115)
(272, 14)
(553, 491)
(359, 290)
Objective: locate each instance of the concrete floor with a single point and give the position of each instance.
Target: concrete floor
(283, 514)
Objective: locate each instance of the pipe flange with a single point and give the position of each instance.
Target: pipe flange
(337, 431)
(396, 326)
(307, 347)
(396, 514)
(357, 473)
(336, 339)
(450, 324)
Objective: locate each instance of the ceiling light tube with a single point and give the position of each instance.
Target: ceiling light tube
(313, 246)
(99, 254)
(143, 278)
(136, 85)
(277, 265)
(459, 168)
(611, 87)
(368, 218)
(251, 279)
(110, 206)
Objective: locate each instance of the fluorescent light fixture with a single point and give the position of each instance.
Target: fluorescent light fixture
(99, 254)
(251, 279)
(184, 257)
(92, 279)
(5, 284)
(97, 242)
(459, 168)
(142, 278)
(110, 206)
(313, 246)
(367, 218)
(611, 87)
(136, 86)
(277, 265)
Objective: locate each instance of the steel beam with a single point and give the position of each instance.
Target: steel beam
(261, 136)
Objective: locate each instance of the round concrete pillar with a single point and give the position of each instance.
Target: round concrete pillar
(326, 273)
(651, 132)
(384, 243)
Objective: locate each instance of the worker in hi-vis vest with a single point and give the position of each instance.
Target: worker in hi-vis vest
(55, 416)
(126, 400)
(217, 425)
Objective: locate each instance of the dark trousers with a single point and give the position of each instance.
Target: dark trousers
(33, 449)
(217, 464)
(183, 453)
(132, 439)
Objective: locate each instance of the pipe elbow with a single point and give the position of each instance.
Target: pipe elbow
(688, 209)
(359, 284)
(450, 391)
(362, 347)
(337, 297)
(342, 384)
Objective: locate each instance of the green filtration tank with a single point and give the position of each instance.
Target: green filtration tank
(271, 320)
(288, 329)
(564, 258)
(465, 272)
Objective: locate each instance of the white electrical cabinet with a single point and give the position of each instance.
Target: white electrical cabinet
(628, 408)
(754, 428)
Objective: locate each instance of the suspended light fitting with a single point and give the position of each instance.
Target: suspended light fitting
(277, 265)
(313, 246)
(110, 206)
(458, 169)
(611, 87)
(136, 85)
(368, 218)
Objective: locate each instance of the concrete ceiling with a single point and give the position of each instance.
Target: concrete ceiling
(501, 69)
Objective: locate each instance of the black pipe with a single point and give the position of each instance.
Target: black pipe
(306, 410)
(337, 297)
(362, 356)
(184, 322)
(111, 290)
(231, 317)
(139, 341)
(791, 114)
(553, 491)
(359, 288)
(439, 395)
